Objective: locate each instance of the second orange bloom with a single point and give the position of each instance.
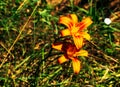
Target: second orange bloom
(70, 53)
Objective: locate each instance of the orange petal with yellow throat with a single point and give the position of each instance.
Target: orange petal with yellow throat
(74, 18)
(57, 46)
(85, 23)
(66, 21)
(76, 65)
(81, 53)
(78, 40)
(62, 59)
(65, 32)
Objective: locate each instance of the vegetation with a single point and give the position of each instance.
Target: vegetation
(28, 28)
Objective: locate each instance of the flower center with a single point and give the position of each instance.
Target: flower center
(71, 51)
(74, 29)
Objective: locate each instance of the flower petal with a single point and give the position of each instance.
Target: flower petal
(85, 23)
(66, 21)
(65, 32)
(78, 40)
(76, 65)
(62, 59)
(86, 36)
(57, 46)
(81, 53)
(74, 18)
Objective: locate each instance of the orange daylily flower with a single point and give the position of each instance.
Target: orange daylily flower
(70, 53)
(75, 28)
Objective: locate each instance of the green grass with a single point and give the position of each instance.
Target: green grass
(27, 30)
